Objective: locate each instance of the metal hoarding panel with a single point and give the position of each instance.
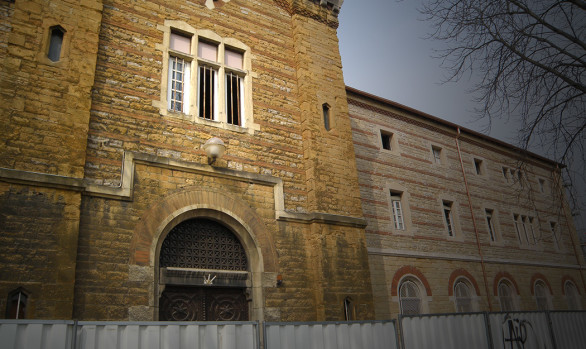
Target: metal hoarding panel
(31, 334)
(324, 335)
(167, 335)
(451, 331)
(569, 329)
(520, 330)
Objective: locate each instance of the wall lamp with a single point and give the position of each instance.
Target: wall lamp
(214, 148)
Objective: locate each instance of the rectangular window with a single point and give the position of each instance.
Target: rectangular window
(207, 92)
(178, 87)
(386, 139)
(234, 99)
(542, 185)
(531, 231)
(179, 73)
(447, 208)
(506, 173)
(554, 235)
(489, 223)
(437, 154)
(397, 211)
(478, 166)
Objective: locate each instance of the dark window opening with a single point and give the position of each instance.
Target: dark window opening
(233, 98)
(326, 112)
(386, 139)
(478, 166)
(17, 303)
(207, 83)
(349, 310)
(55, 43)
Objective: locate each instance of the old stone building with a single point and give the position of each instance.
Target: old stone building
(458, 221)
(171, 160)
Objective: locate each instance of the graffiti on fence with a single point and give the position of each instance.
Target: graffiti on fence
(519, 334)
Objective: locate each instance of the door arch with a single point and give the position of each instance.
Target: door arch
(203, 273)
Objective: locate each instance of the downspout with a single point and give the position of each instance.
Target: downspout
(569, 222)
(474, 223)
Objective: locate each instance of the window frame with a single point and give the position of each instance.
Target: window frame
(22, 299)
(393, 141)
(470, 299)
(573, 300)
(192, 111)
(542, 296)
(509, 303)
(489, 215)
(448, 217)
(410, 281)
(397, 210)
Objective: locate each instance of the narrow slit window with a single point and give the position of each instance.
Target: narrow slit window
(398, 221)
(55, 43)
(554, 234)
(437, 154)
(490, 224)
(349, 311)
(447, 208)
(178, 84)
(478, 166)
(386, 140)
(326, 114)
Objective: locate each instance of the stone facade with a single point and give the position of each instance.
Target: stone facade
(469, 175)
(90, 145)
(98, 168)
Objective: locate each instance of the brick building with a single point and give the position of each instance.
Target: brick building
(111, 209)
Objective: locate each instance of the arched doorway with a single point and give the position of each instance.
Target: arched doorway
(203, 274)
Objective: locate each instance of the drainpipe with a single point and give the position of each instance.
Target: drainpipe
(474, 223)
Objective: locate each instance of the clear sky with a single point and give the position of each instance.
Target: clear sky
(385, 53)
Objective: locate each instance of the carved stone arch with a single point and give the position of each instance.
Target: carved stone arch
(230, 211)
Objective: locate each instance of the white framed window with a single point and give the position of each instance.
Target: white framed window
(179, 74)
(542, 296)
(398, 220)
(463, 297)
(448, 217)
(410, 298)
(207, 79)
(505, 295)
(572, 296)
(490, 224)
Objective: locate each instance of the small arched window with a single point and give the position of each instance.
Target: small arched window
(505, 295)
(410, 298)
(541, 296)
(463, 297)
(572, 296)
(326, 113)
(17, 304)
(349, 310)
(56, 34)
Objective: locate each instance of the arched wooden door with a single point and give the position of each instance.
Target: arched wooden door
(203, 273)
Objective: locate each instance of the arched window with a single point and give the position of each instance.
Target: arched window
(463, 297)
(505, 294)
(541, 296)
(572, 296)
(17, 304)
(349, 309)
(410, 298)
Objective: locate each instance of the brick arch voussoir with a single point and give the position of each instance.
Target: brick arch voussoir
(504, 275)
(539, 276)
(161, 214)
(408, 270)
(465, 274)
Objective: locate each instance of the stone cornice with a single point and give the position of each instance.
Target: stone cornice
(125, 190)
(324, 11)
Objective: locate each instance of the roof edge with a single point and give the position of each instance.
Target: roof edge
(446, 123)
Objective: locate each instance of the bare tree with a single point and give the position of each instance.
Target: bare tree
(530, 56)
